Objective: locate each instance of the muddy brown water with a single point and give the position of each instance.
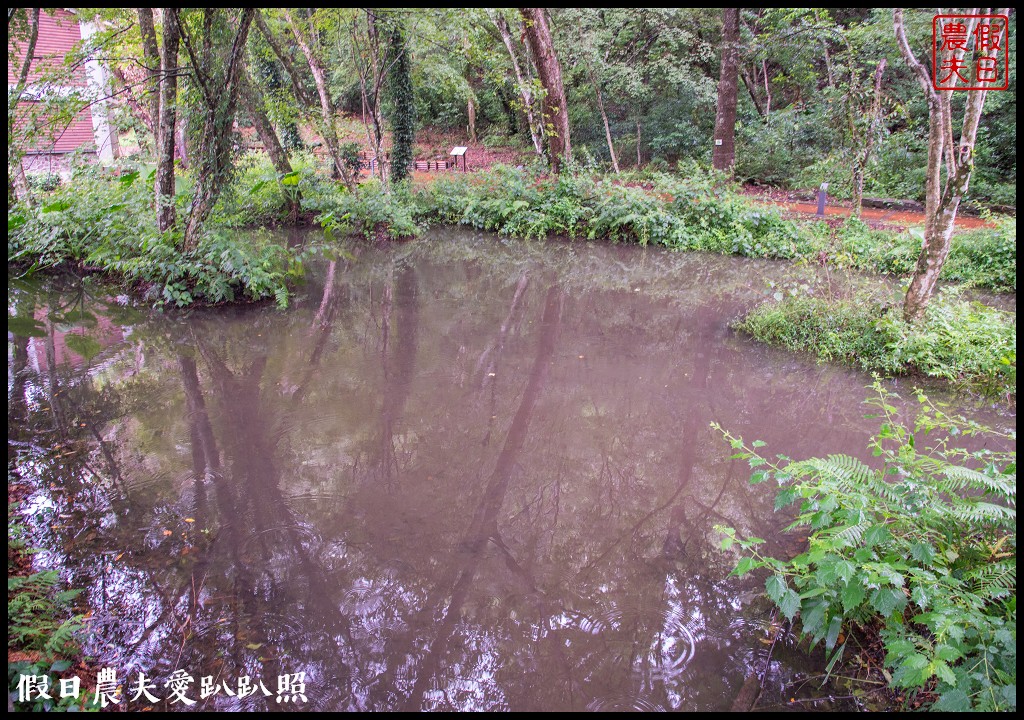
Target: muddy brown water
(459, 473)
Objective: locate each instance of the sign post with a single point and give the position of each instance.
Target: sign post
(458, 152)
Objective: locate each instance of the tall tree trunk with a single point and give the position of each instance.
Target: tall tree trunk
(556, 111)
(151, 56)
(522, 84)
(252, 101)
(17, 185)
(168, 104)
(941, 203)
(403, 103)
(220, 99)
(723, 154)
(863, 154)
(604, 116)
(319, 71)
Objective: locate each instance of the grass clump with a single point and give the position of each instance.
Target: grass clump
(965, 343)
(699, 212)
(917, 549)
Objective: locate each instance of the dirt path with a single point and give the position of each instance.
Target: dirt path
(835, 211)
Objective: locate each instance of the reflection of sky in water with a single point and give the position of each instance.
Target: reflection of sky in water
(463, 475)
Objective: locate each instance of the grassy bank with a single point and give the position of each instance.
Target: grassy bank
(968, 344)
(102, 220)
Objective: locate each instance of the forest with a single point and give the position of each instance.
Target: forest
(430, 359)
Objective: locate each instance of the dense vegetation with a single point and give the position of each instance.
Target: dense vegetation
(917, 545)
(606, 122)
(966, 343)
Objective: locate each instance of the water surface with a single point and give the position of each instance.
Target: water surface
(457, 474)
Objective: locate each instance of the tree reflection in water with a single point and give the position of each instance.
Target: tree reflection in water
(457, 475)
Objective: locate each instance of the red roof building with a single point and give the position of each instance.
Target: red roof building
(60, 32)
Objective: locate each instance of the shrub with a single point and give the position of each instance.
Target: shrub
(372, 212)
(105, 222)
(920, 545)
(965, 343)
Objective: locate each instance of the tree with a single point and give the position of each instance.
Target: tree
(942, 200)
(723, 155)
(151, 57)
(218, 74)
(403, 101)
(325, 121)
(252, 101)
(523, 84)
(165, 126)
(555, 109)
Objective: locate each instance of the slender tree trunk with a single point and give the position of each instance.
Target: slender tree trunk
(858, 188)
(723, 154)
(522, 84)
(17, 184)
(604, 117)
(168, 105)
(151, 56)
(327, 127)
(638, 143)
(860, 163)
(749, 85)
(220, 99)
(941, 203)
(555, 109)
(252, 101)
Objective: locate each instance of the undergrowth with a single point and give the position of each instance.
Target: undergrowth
(968, 344)
(921, 539)
(104, 221)
(42, 627)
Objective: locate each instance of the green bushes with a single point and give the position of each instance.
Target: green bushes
(105, 221)
(700, 212)
(986, 257)
(373, 213)
(965, 343)
(920, 546)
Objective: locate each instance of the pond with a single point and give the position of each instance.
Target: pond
(460, 473)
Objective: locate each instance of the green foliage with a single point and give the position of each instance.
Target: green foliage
(699, 212)
(921, 542)
(403, 104)
(372, 213)
(44, 182)
(40, 624)
(965, 343)
(986, 257)
(105, 221)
